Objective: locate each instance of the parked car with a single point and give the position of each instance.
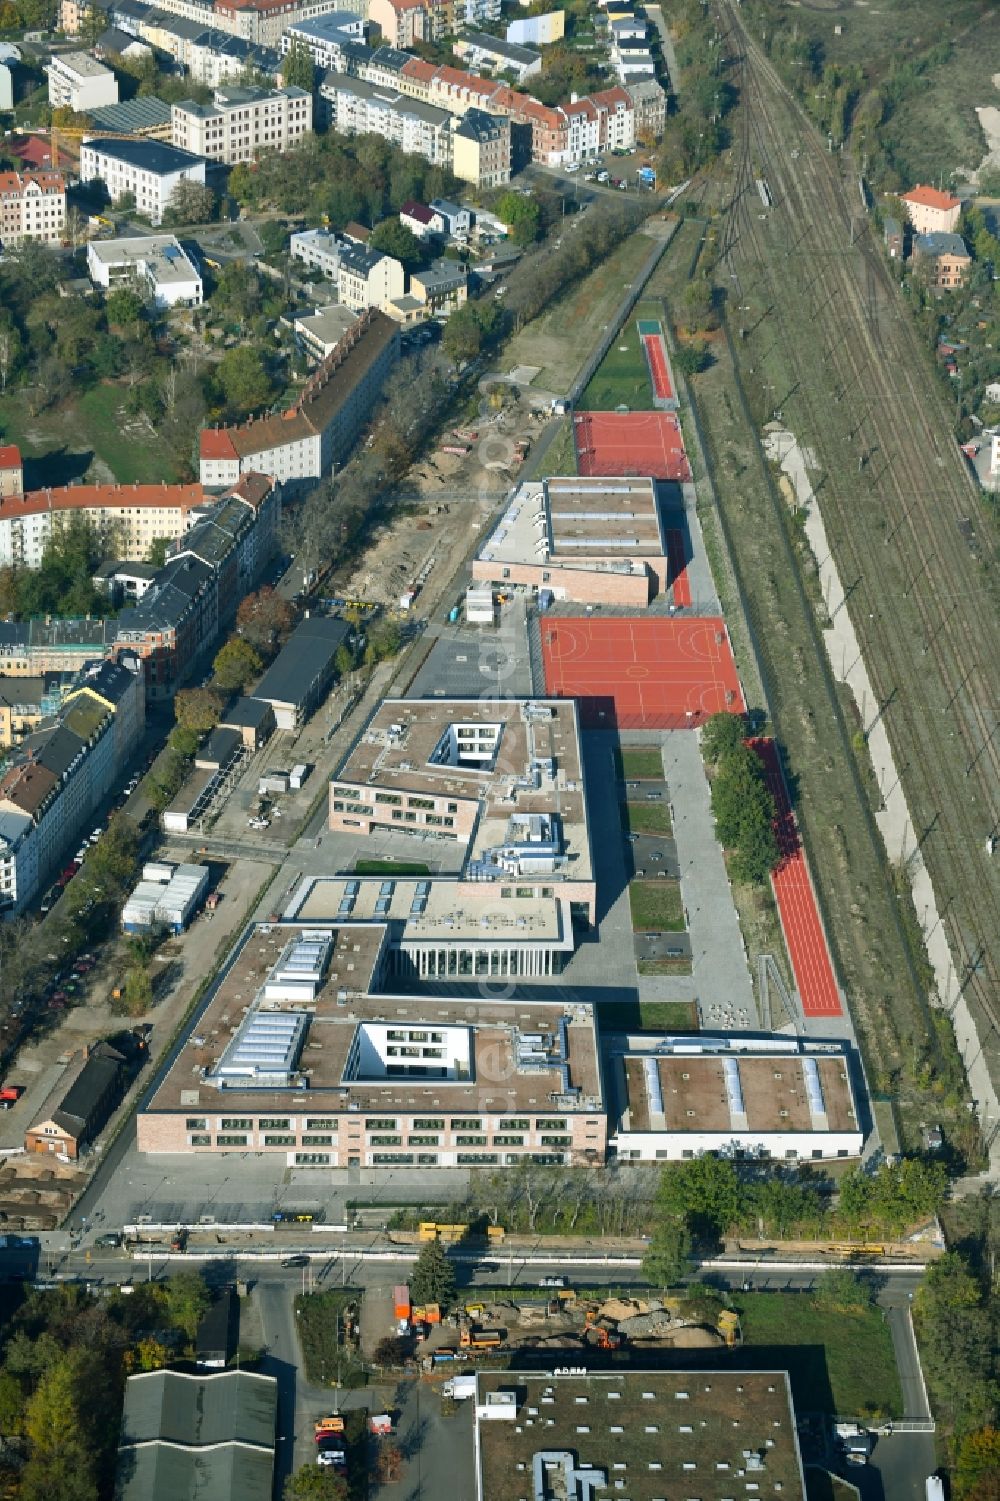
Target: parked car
(552, 1282)
(296, 1261)
(109, 1241)
(9, 1095)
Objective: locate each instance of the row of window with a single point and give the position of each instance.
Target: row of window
(464, 1129)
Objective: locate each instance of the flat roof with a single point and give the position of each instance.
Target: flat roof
(449, 910)
(162, 256)
(148, 156)
(343, 1003)
(579, 522)
(82, 64)
(711, 1434)
(531, 733)
(698, 1092)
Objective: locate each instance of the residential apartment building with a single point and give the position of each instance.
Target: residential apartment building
(155, 264)
(403, 22)
(63, 771)
(318, 248)
(242, 122)
(79, 82)
(442, 287)
(178, 620)
(24, 703)
(649, 100)
(480, 50)
(303, 443)
(420, 220)
(32, 207)
(946, 257)
(481, 149)
(265, 21)
(324, 38)
(128, 518)
(353, 106)
(368, 278)
(318, 334)
(11, 471)
(457, 219)
(148, 170)
(32, 647)
(931, 211)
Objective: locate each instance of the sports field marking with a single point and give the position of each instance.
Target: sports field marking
(677, 558)
(653, 673)
(646, 443)
(659, 370)
(805, 939)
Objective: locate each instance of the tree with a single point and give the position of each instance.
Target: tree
(315, 1483)
(156, 554)
(433, 1279)
(264, 619)
(11, 348)
(384, 640)
(198, 709)
(243, 378)
(297, 68)
(149, 1354)
(693, 357)
(137, 992)
(388, 1463)
(522, 216)
(11, 1404)
(60, 1463)
(978, 1460)
(721, 735)
(236, 665)
(697, 306)
(668, 1255)
(191, 203)
(123, 306)
(704, 1192)
(395, 239)
(187, 1301)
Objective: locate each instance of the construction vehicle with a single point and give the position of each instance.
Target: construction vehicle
(482, 1339)
(729, 1328)
(607, 1339)
(333, 1423)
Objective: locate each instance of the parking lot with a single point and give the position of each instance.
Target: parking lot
(478, 661)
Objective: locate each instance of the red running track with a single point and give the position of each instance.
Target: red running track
(647, 443)
(800, 922)
(658, 367)
(677, 556)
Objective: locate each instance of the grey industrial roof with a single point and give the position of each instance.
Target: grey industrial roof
(132, 114)
(305, 656)
(221, 747)
(391, 57)
(149, 156)
(158, 1473)
(85, 1094)
(197, 1437)
(199, 1410)
(246, 711)
(218, 1331)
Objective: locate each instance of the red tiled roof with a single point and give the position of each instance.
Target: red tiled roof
(85, 497)
(16, 182)
(612, 97)
(10, 456)
(253, 488)
(412, 210)
(27, 786)
(216, 443)
(930, 198)
(418, 68)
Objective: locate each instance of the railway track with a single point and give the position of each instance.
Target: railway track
(919, 598)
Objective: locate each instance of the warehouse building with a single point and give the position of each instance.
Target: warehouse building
(74, 1116)
(767, 1098)
(646, 1435)
(297, 681)
(197, 1437)
(300, 1053)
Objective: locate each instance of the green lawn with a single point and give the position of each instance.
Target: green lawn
(665, 967)
(61, 443)
(390, 868)
(656, 907)
(838, 1362)
(646, 818)
(560, 456)
(639, 761)
(647, 1016)
(622, 378)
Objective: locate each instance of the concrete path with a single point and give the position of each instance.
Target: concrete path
(893, 818)
(721, 975)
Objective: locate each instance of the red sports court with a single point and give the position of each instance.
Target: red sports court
(793, 891)
(651, 334)
(651, 673)
(677, 557)
(630, 443)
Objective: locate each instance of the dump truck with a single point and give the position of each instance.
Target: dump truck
(482, 1339)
